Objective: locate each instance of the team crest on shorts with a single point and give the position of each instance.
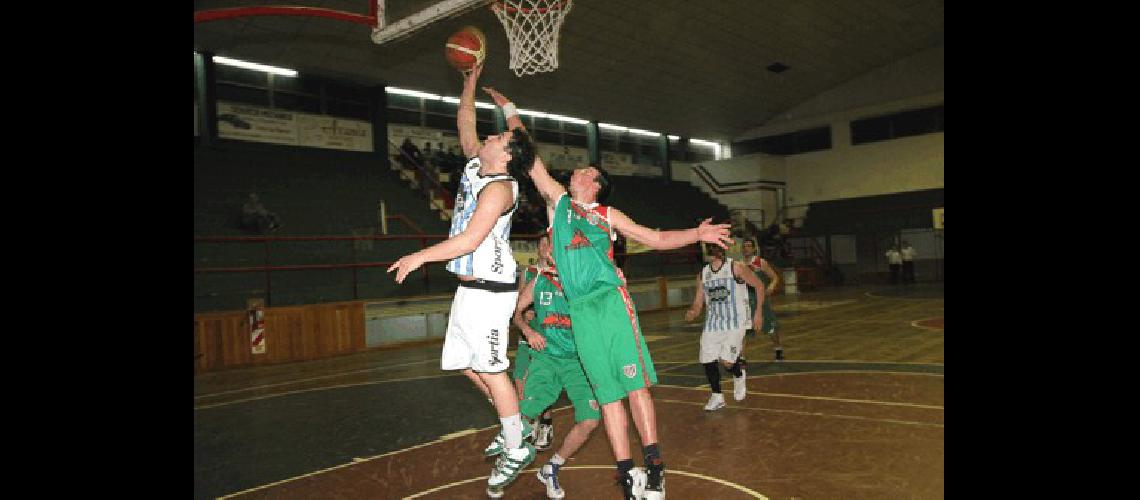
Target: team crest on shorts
(732, 349)
(629, 370)
(594, 404)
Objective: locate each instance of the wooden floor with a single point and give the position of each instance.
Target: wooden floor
(856, 411)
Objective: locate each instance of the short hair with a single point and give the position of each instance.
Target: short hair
(604, 185)
(716, 250)
(521, 149)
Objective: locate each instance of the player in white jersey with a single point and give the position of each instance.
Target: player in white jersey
(721, 288)
(479, 252)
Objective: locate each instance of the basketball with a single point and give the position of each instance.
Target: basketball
(466, 48)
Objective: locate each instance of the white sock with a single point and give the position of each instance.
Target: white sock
(512, 431)
(557, 460)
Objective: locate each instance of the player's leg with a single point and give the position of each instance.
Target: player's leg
(729, 355)
(486, 321)
(630, 352)
(709, 349)
(586, 416)
(593, 337)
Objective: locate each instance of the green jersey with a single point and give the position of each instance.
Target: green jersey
(552, 312)
(529, 274)
(583, 247)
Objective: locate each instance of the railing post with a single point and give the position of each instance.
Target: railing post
(268, 289)
(355, 294)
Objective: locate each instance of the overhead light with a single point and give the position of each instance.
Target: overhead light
(608, 126)
(674, 138)
(255, 66)
(644, 132)
(703, 142)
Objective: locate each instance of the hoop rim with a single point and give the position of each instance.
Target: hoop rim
(499, 4)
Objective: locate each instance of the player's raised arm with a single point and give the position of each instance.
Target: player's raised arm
(494, 200)
(547, 186)
(717, 234)
(465, 116)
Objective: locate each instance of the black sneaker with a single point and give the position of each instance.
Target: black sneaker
(779, 354)
(655, 480)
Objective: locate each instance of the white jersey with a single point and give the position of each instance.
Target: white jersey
(726, 299)
(492, 260)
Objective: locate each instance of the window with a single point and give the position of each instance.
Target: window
(901, 124)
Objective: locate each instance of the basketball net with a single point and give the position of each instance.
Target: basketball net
(532, 28)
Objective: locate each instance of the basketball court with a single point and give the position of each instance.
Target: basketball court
(857, 410)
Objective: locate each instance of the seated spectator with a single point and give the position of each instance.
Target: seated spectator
(255, 217)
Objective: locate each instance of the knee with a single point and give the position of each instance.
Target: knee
(588, 425)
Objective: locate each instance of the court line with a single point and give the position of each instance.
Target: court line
(297, 381)
(441, 439)
(341, 386)
(815, 414)
(819, 398)
(743, 489)
(916, 325)
(816, 373)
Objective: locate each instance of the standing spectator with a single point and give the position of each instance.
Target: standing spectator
(894, 260)
(255, 217)
(907, 254)
(411, 153)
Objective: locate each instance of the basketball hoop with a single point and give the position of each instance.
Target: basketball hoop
(532, 28)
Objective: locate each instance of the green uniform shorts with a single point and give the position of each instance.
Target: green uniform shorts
(610, 344)
(547, 377)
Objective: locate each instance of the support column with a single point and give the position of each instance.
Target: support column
(593, 151)
(378, 116)
(207, 98)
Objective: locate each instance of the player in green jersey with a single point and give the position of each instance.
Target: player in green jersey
(544, 428)
(771, 279)
(607, 334)
(555, 367)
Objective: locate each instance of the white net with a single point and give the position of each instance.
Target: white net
(532, 28)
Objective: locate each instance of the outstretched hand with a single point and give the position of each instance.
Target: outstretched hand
(499, 99)
(405, 265)
(717, 234)
(472, 75)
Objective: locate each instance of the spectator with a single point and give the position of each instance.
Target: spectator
(410, 151)
(907, 255)
(894, 260)
(255, 217)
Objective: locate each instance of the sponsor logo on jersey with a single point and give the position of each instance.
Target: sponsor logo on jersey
(717, 293)
(629, 370)
(579, 240)
(495, 347)
(556, 320)
(497, 264)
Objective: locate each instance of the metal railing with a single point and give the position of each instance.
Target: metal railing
(681, 256)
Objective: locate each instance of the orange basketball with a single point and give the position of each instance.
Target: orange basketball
(466, 48)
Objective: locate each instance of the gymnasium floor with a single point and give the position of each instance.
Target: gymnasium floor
(857, 411)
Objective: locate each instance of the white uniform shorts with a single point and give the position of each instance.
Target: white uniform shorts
(724, 344)
(478, 330)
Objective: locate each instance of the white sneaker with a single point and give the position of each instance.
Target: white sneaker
(716, 402)
(508, 466)
(548, 475)
(633, 485)
(543, 437)
(739, 391)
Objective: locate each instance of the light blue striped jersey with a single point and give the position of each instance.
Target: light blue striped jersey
(726, 299)
(492, 260)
